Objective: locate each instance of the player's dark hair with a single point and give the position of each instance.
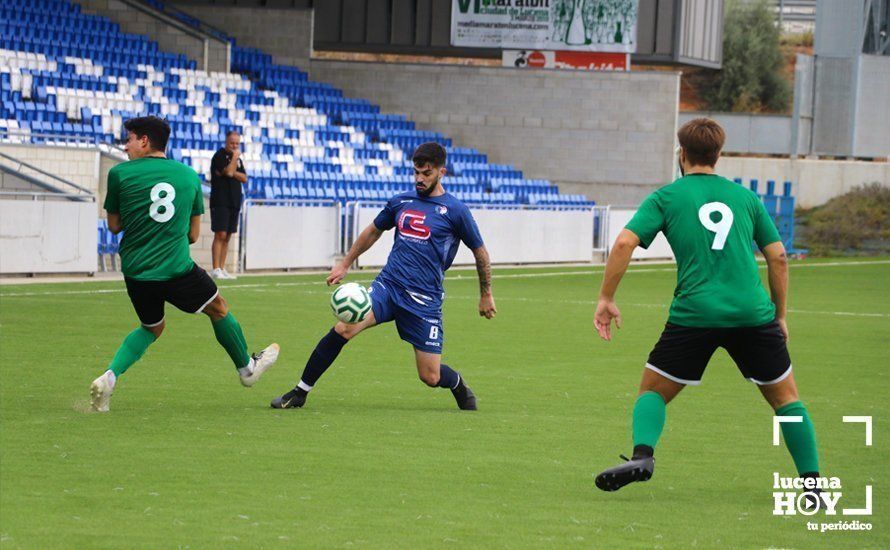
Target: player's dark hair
(702, 140)
(156, 129)
(429, 153)
(230, 132)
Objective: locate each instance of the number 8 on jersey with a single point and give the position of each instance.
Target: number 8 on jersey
(166, 202)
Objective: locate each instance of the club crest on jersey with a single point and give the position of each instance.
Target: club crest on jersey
(411, 225)
(442, 210)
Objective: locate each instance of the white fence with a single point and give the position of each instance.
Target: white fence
(282, 234)
(42, 234)
(618, 218)
(512, 235)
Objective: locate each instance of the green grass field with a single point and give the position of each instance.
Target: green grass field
(189, 458)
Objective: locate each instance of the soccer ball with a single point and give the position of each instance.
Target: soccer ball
(351, 303)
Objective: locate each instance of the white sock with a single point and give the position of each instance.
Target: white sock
(248, 370)
(304, 386)
(112, 379)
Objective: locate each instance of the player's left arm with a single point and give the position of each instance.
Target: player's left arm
(619, 258)
(487, 308)
(194, 228)
(777, 270)
(114, 222)
(197, 211)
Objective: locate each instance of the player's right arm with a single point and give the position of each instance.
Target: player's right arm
(777, 270)
(619, 258)
(639, 231)
(112, 202)
(364, 241)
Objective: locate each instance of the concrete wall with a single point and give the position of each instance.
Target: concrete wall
(814, 182)
(750, 133)
(833, 108)
(79, 166)
(285, 34)
(172, 36)
(872, 134)
(609, 136)
(14, 182)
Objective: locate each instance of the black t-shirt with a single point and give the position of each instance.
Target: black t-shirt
(224, 191)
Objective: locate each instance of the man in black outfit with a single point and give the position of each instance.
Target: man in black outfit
(227, 175)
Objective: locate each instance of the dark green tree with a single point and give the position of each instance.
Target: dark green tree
(751, 79)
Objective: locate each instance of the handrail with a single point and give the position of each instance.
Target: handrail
(11, 132)
(203, 26)
(90, 198)
(152, 11)
(42, 172)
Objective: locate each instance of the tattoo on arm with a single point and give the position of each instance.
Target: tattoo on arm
(483, 268)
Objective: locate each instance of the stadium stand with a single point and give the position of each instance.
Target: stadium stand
(69, 73)
(780, 209)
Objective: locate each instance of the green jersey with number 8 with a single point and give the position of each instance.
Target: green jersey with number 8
(710, 222)
(156, 198)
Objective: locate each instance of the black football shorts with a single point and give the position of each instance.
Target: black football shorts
(190, 293)
(760, 353)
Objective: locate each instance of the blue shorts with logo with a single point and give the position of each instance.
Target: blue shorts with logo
(418, 317)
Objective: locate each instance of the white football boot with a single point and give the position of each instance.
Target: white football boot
(100, 392)
(260, 363)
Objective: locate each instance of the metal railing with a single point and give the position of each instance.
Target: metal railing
(27, 137)
(42, 194)
(18, 171)
(188, 20)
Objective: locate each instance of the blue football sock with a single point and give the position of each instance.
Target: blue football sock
(322, 357)
(448, 377)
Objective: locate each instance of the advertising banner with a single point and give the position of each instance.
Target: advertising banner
(584, 25)
(582, 61)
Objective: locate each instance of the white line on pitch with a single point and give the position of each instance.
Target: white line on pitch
(454, 277)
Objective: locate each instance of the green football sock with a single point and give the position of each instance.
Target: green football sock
(132, 348)
(229, 335)
(649, 413)
(800, 437)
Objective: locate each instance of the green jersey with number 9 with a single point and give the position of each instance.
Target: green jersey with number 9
(156, 198)
(710, 222)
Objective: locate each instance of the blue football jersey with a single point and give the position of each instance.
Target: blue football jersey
(428, 232)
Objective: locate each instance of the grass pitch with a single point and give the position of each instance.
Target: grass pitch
(189, 458)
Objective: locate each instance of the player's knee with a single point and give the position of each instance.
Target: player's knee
(345, 330)
(782, 397)
(217, 309)
(781, 393)
(428, 377)
(157, 330)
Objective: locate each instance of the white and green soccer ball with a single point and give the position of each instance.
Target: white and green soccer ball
(351, 303)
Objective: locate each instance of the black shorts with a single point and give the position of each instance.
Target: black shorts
(191, 293)
(760, 353)
(224, 219)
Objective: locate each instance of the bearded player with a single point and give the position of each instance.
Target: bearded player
(430, 224)
(157, 203)
(719, 301)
